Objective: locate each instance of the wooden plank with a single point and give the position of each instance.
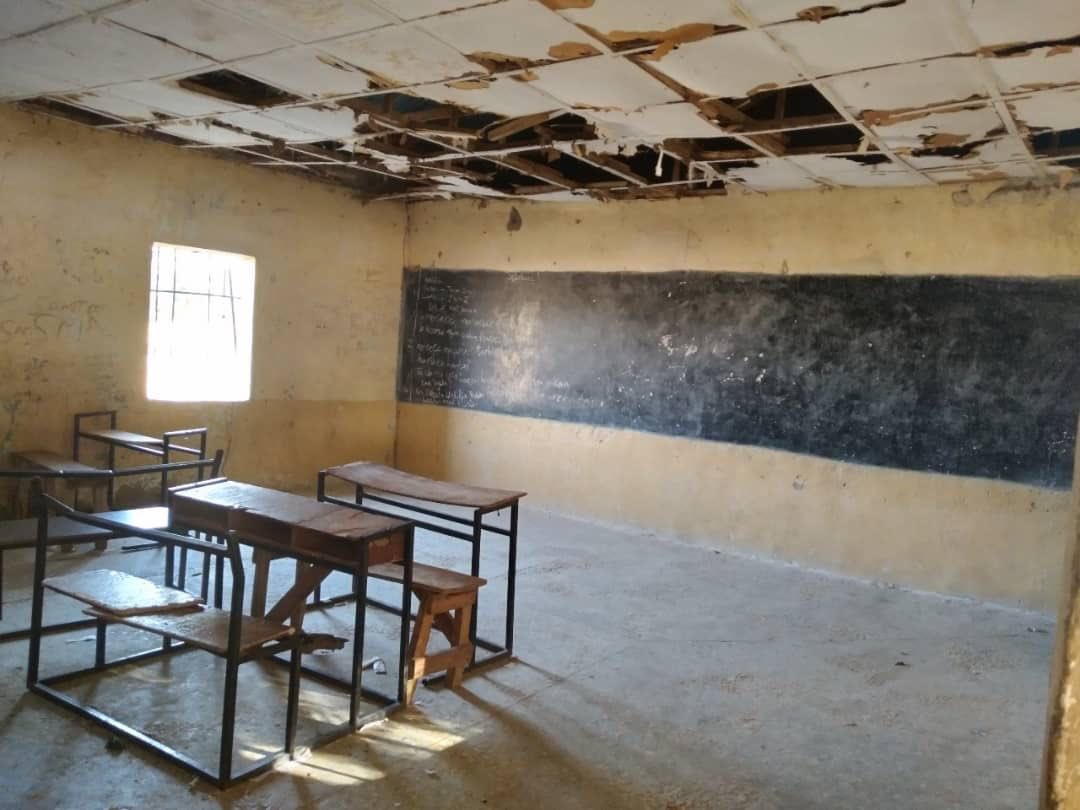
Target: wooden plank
(308, 578)
(428, 578)
(110, 436)
(207, 628)
(120, 593)
(387, 479)
(53, 462)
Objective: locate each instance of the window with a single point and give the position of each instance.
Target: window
(201, 304)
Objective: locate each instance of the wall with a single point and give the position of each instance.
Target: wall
(79, 210)
(947, 533)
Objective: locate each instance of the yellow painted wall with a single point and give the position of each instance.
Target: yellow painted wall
(945, 533)
(79, 211)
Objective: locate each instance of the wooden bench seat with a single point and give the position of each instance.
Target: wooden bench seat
(53, 462)
(120, 594)
(22, 533)
(205, 628)
(447, 600)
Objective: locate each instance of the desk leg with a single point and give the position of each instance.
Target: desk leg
(261, 560)
(478, 520)
(511, 577)
(360, 589)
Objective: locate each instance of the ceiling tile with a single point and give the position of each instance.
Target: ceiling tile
(199, 27)
(22, 16)
(1058, 109)
(414, 9)
(1009, 22)
(998, 171)
(28, 68)
(106, 102)
(325, 120)
(208, 133)
(602, 82)
(500, 95)
(403, 56)
(268, 126)
(729, 65)
(916, 29)
(910, 86)
(770, 174)
(172, 99)
(949, 128)
(773, 11)
(1038, 69)
(647, 19)
(656, 123)
(305, 71)
(999, 150)
(514, 29)
(846, 171)
(309, 20)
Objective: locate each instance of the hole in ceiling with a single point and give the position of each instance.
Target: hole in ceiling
(868, 159)
(800, 101)
(962, 150)
(645, 161)
(574, 170)
(237, 88)
(713, 149)
(823, 140)
(1056, 142)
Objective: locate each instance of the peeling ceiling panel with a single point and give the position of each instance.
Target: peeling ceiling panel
(306, 72)
(774, 11)
(499, 95)
(602, 83)
(1038, 69)
(208, 133)
(272, 127)
(415, 9)
(629, 20)
(729, 65)
(916, 29)
(199, 27)
(520, 31)
(106, 102)
(21, 16)
(403, 56)
(910, 86)
(659, 122)
(847, 171)
(769, 174)
(309, 20)
(1006, 22)
(168, 98)
(972, 174)
(1049, 110)
(998, 150)
(329, 122)
(940, 129)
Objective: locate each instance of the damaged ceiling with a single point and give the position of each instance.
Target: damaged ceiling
(568, 99)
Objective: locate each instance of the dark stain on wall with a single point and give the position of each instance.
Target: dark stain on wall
(958, 375)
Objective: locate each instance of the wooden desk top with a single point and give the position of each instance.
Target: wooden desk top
(120, 437)
(53, 462)
(147, 517)
(387, 479)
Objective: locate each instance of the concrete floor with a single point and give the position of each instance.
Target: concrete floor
(650, 675)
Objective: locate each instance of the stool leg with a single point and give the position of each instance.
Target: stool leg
(418, 645)
(461, 644)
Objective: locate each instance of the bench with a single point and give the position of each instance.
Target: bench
(48, 461)
(447, 599)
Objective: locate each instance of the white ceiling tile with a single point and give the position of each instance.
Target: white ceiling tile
(170, 98)
(999, 150)
(1058, 109)
(773, 11)
(622, 19)
(866, 179)
(1038, 69)
(309, 20)
(769, 175)
(415, 9)
(208, 133)
(104, 101)
(948, 128)
(325, 120)
(499, 95)
(729, 65)
(910, 86)
(403, 55)
(270, 127)
(983, 172)
(305, 71)
(656, 123)
(28, 68)
(602, 82)
(916, 29)
(518, 29)
(199, 27)
(21, 16)
(1009, 22)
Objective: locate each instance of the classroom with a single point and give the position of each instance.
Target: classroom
(540, 403)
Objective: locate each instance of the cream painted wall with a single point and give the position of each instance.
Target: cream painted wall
(79, 210)
(958, 535)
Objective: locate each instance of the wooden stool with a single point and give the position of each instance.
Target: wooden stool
(447, 599)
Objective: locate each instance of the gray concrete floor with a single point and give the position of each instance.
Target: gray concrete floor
(649, 675)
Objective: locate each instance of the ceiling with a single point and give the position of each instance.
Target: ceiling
(564, 99)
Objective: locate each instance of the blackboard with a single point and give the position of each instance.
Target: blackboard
(957, 375)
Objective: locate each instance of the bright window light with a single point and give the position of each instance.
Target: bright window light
(201, 304)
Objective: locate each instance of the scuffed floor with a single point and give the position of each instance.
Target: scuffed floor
(650, 675)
